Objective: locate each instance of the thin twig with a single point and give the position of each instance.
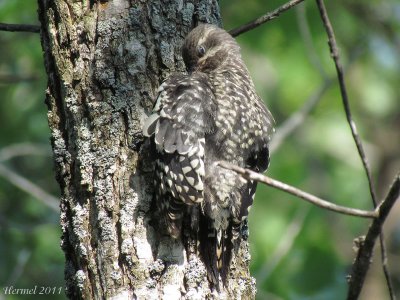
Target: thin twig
(297, 118)
(284, 246)
(23, 149)
(339, 69)
(22, 260)
(29, 187)
(19, 27)
(384, 260)
(11, 78)
(251, 175)
(306, 36)
(263, 19)
(365, 252)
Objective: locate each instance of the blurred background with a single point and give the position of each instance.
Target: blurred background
(298, 251)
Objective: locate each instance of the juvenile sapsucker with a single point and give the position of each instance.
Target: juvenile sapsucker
(211, 114)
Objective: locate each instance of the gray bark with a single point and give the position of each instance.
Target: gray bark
(105, 60)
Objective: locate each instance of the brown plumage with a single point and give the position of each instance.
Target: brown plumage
(211, 114)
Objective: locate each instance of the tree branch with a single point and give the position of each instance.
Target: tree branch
(365, 251)
(263, 19)
(340, 74)
(339, 69)
(251, 175)
(19, 27)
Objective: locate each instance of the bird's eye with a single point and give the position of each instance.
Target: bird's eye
(201, 50)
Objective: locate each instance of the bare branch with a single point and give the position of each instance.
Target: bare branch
(263, 19)
(251, 175)
(339, 69)
(364, 255)
(19, 27)
(29, 187)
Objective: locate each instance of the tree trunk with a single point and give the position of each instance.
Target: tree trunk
(105, 60)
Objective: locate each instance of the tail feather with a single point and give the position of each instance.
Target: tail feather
(171, 213)
(215, 250)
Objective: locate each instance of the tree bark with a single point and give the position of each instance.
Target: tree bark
(105, 60)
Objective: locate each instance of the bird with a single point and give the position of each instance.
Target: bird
(209, 114)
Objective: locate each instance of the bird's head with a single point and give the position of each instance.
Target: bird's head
(206, 47)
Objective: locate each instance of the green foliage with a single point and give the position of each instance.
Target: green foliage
(29, 231)
(319, 157)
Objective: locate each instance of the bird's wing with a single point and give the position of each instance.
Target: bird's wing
(181, 118)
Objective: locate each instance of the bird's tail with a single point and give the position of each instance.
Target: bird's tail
(215, 250)
(173, 216)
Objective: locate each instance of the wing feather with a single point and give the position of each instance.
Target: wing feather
(179, 123)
